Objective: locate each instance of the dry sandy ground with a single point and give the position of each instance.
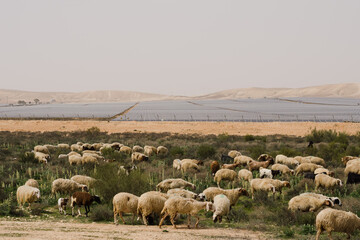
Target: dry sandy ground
(203, 128)
(65, 230)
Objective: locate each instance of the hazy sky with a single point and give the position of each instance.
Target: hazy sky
(177, 47)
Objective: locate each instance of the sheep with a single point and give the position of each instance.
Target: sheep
(41, 149)
(150, 203)
(138, 149)
(245, 175)
(324, 171)
(335, 200)
(76, 148)
(181, 205)
(126, 169)
(230, 166)
(138, 157)
(97, 146)
(116, 146)
(82, 179)
(336, 220)
(325, 181)
(234, 153)
(72, 153)
(63, 146)
(62, 185)
(124, 202)
(161, 150)
(63, 156)
(278, 184)
(353, 166)
(185, 167)
(86, 146)
(317, 160)
(214, 167)
(255, 165)
(226, 159)
(62, 202)
(79, 143)
(282, 168)
(353, 178)
(83, 198)
(225, 174)
(27, 194)
(149, 150)
(75, 159)
(42, 157)
(182, 193)
(309, 175)
(243, 160)
(345, 159)
(32, 183)
(259, 184)
(177, 164)
(198, 162)
(290, 162)
(307, 203)
(232, 194)
(268, 173)
(306, 167)
(301, 159)
(265, 157)
(125, 149)
(89, 159)
(51, 148)
(171, 183)
(221, 207)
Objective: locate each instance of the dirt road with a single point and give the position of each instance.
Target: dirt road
(70, 230)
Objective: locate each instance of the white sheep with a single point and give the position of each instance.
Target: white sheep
(138, 157)
(180, 205)
(308, 203)
(301, 159)
(151, 203)
(89, 159)
(72, 153)
(333, 220)
(282, 168)
(42, 149)
(68, 186)
(232, 194)
(317, 160)
(171, 183)
(306, 167)
(259, 184)
(63, 156)
(51, 148)
(125, 149)
(177, 164)
(76, 148)
(225, 174)
(161, 150)
(138, 149)
(82, 179)
(323, 170)
(27, 194)
(234, 153)
(290, 162)
(62, 202)
(149, 150)
(352, 166)
(221, 207)
(124, 203)
(335, 200)
(42, 157)
(265, 173)
(242, 160)
(345, 159)
(325, 181)
(75, 159)
(182, 193)
(245, 175)
(63, 146)
(32, 183)
(187, 166)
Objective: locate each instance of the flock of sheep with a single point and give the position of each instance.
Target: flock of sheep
(171, 197)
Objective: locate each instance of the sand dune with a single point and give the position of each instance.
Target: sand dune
(346, 90)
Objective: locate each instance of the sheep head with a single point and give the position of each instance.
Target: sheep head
(96, 198)
(242, 192)
(286, 183)
(210, 206)
(329, 203)
(339, 182)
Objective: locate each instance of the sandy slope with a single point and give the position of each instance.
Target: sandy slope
(232, 128)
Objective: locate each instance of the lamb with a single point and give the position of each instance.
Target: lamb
(138, 149)
(150, 203)
(171, 183)
(325, 181)
(265, 157)
(306, 167)
(124, 203)
(177, 164)
(282, 168)
(150, 150)
(125, 149)
(243, 160)
(336, 220)
(234, 153)
(278, 184)
(182, 193)
(27, 194)
(138, 157)
(232, 194)
(230, 166)
(259, 184)
(83, 198)
(335, 200)
(41, 149)
(225, 174)
(221, 206)
(245, 174)
(307, 203)
(255, 165)
(345, 159)
(32, 183)
(161, 150)
(62, 202)
(324, 171)
(214, 167)
(62, 185)
(75, 159)
(186, 166)
(268, 173)
(188, 206)
(82, 179)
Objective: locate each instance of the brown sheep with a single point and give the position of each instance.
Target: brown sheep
(214, 167)
(255, 165)
(265, 157)
(83, 198)
(230, 166)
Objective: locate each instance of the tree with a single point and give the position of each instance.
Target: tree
(36, 101)
(21, 102)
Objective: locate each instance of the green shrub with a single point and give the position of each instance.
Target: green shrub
(176, 151)
(307, 229)
(101, 213)
(288, 232)
(205, 151)
(249, 138)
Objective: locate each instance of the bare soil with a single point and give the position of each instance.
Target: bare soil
(202, 128)
(70, 230)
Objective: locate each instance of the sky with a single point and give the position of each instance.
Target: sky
(184, 47)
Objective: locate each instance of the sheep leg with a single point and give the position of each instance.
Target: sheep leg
(133, 218)
(121, 216)
(197, 222)
(115, 218)
(189, 220)
(79, 211)
(348, 236)
(72, 211)
(144, 220)
(162, 219)
(329, 235)
(172, 217)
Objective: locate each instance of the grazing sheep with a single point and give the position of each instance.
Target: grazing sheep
(125, 149)
(32, 183)
(282, 168)
(97, 146)
(214, 167)
(116, 146)
(124, 202)
(353, 166)
(345, 159)
(42, 157)
(63, 146)
(243, 160)
(265, 157)
(72, 153)
(180, 205)
(89, 159)
(27, 194)
(149, 150)
(186, 166)
(234, 153)
(290, 162)
(138, 157)
(177, 164)
(255, 165)
(83, 198)
(232, 194)
(198, 162)
(353, 178)
(82, 179)
(259, 184)
(335, 200)
(301, 159)
(171, 183)
(62, 202)
(309, 175)
(225, 174)
(182, 193)
(245, 175)
(151, 203)
(41, 149)
(126, 169)
(306, 167)
(86, 146)
(325, 181)
(161, 150)
(278, 184)
(226, 159)
(63, 156)
(221, 206)
(76, 148)
(317, 160)
(333, 220)
(75, 159)
(230, 166)
(138, 149)
(51, 148)
(268, 173)
(324, 171)
(307, 203)
(68, 186)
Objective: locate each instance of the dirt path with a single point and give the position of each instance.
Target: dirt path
(69, 230)
(203, 128)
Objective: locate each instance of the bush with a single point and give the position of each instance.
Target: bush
(249, 138)
(327, 136)
(176, 151)
(205, 151)
(307, 229)
(101, 213)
